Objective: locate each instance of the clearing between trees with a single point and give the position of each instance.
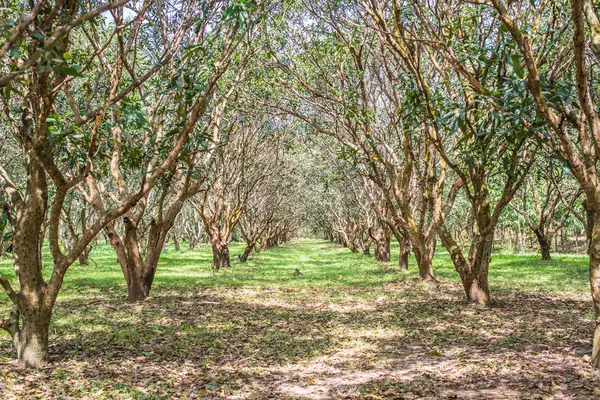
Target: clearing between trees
(347, 327)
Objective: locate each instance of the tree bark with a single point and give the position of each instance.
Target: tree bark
(366, 250)
(139, 274)
(246, 253)
(544, 244)
(475, 277)
(31, 341)
(590, 215)
(381, 239)
(30, 338)
(84, 258)
(425, 263)
(404, 254)
(33, 303)
(594, 268)
(473, 271)
(382, 252)
(130, 261)
(220, 256)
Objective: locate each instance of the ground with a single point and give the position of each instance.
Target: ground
(347, 328)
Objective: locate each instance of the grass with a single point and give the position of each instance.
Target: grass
(348, 327)
(525, 271)
(325, 264)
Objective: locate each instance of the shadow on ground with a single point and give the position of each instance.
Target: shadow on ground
(393, 338)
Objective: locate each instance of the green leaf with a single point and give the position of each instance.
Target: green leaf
(68, 70)
(516, 64)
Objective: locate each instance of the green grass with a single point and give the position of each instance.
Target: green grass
(524, 271)
(255, 329)
(323, 265)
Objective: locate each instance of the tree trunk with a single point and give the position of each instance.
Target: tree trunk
(424, 256)
(244, 257)
(138, 274)
(382, 250)
(129, 259)
(135, 289)
(404, 254)
(139, 270)
(425, 265)
(381, 239)
(31, 341)
(474, 271)
(84, 258)
(594, 268)
(475, 277)
(544, 244)
(176, 243)
(590, 215)
(140, 284)
(220, 256)
(33, 304)
(366, 250)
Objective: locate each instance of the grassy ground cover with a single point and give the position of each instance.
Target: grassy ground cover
(348, 327)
